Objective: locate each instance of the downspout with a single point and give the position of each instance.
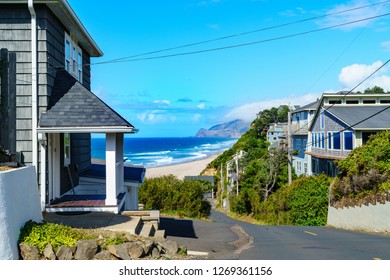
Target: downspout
(34, 84)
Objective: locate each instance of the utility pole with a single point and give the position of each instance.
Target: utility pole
(237, 173)
(289, 155)
(222, 187)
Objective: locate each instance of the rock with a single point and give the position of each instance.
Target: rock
(48, 252)
(104, 255)
(29, 252)
(148, 246)
(64, 253)
(233, 129)
(156, 253)
(135, 250)
(86, 249)
(120, 251)
(169, 246)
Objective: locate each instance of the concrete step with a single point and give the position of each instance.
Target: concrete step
(147, 230)
(160, 233)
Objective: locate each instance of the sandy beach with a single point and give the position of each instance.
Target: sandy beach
(192, 168)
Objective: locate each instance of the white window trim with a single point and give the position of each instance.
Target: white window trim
(74, 68)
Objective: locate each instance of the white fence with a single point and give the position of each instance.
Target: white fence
(19, 203)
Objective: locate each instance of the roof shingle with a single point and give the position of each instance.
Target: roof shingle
(72, 105)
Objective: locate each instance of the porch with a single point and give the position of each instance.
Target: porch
(90, 194)
(74, 110)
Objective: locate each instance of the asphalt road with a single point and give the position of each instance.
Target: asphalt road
(226, 238)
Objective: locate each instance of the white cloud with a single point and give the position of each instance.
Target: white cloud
(196, 117)
(213, 26)
(208, 3)
(350, 76)
(386, 46)
(352, 15)
(155, 117)
(247, 112)
(163, 102)
(201, 106)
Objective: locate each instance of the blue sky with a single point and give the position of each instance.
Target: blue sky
(179, 94)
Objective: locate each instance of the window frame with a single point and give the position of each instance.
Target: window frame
(322, 120)
(73, 58)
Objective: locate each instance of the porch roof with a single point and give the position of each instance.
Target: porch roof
(73, 108)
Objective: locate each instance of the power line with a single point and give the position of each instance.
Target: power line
(347, 93)
(133, 59)
(246, 33)
(351, 126)
(344, 51)
(249, 43)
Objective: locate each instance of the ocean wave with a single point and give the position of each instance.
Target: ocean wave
(162, 152)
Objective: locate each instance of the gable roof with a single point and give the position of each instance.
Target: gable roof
(73, 108)
(308, 107)
(358, 122)
(363, 117)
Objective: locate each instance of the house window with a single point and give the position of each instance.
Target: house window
(368, 101)
(330, 139)
(322, 142)
(385, 101)
(305, 167)
(73, 58)
(67, 55)
(322, 120)
(348, 140)
(299, 166)
(336, 141)
(352, 102)
(314, 140)
(315, 168)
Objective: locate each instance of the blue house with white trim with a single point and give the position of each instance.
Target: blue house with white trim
(342, 122)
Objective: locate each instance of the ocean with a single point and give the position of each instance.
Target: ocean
(153, 152)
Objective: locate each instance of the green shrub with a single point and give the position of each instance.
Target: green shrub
(169, 194)
(304, 202)
(366, 170)
(309, 201)
(40, 234)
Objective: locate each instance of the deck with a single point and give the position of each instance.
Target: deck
(86, 202)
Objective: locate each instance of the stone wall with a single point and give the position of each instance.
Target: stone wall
(19, 203)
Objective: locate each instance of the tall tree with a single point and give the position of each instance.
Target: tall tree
(374, 89)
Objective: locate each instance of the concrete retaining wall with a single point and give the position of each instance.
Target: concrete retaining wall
(19, 203)
(372, 217)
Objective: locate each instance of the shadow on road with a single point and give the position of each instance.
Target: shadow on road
(177, 227)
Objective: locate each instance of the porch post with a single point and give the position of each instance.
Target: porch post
(43, 184)
(111, 174)
(119, 163)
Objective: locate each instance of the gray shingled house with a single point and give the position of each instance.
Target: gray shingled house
(56, 112)
(344, 121)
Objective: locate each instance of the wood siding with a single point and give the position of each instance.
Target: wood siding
(15, 35)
